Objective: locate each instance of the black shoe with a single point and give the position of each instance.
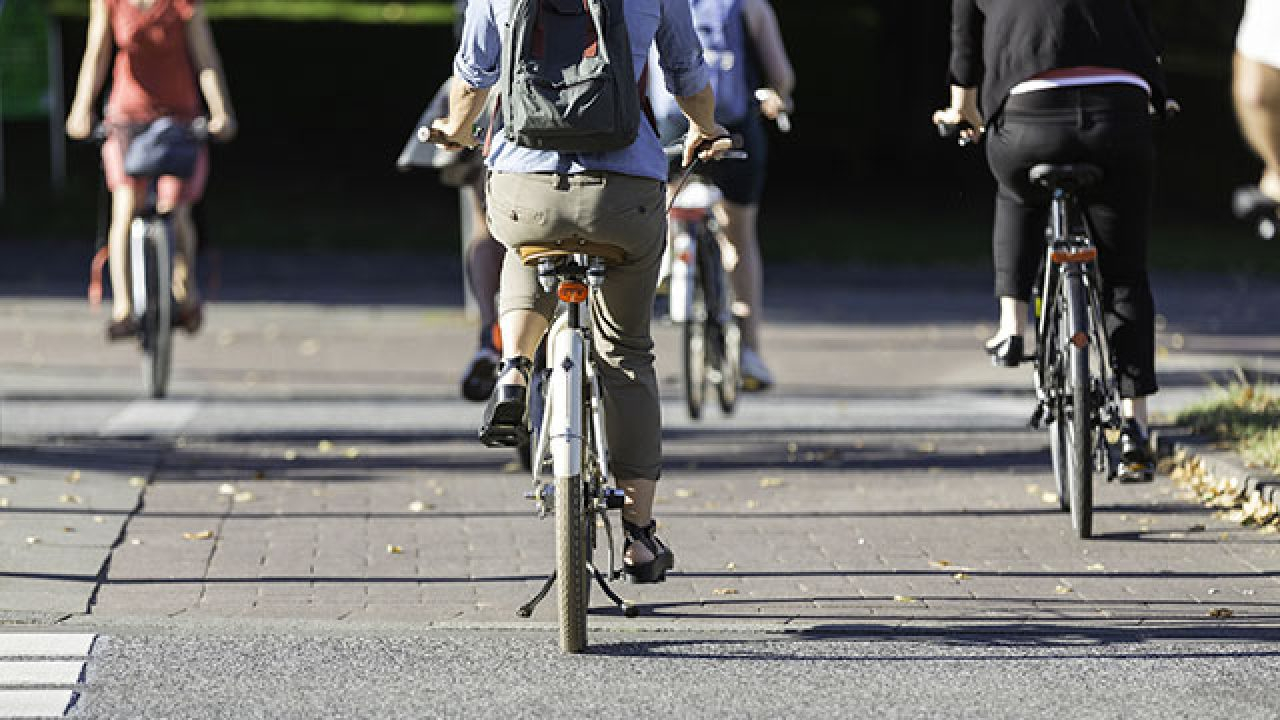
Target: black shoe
(481, 376)
(118, 330)
(1007, 352)
(1137, 463)
(506, 418)
(654, 571)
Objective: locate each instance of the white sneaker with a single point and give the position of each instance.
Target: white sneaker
(755, 374)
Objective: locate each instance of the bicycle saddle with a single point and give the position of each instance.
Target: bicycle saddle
(1071, 175)
(533, 253)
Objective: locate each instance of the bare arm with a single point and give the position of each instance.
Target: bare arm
(213, 82)
(700, 108)
(465, 105)
(93, 71)
(766, 37)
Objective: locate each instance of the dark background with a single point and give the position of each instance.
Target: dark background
(325, 109)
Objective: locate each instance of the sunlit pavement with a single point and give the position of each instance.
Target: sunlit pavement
(314, 478)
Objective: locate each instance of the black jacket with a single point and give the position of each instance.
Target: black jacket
(996, 44)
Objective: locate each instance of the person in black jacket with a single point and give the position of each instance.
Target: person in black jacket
(1057, 81)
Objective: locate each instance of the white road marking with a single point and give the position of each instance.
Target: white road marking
(151, 417)
(40, 673)
(16, 645)
(35, 703)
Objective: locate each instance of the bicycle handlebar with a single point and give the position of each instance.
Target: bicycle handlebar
(955, 131)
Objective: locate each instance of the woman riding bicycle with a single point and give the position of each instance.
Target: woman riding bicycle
(615, 198)
(736, 35)
(1062, 81)
(1256, 89)
(166, 58)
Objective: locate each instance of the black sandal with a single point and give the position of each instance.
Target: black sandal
(654, 571)
(1137, 463)
(506, 418)
(1008, 352)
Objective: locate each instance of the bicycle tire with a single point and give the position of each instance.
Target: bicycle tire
(694, 337)
(730, 367)
(1058, 420)
(157, 318)
(1078, 429)
(571, 563)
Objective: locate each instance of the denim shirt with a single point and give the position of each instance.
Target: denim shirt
(668, 24)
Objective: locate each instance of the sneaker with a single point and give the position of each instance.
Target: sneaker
(1137, 463)
(481, 375)
(755, 374)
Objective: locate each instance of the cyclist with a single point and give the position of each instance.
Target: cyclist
(166, 59)
(736, 35)
(1257, 88)
(613, 197)
(1067, 81)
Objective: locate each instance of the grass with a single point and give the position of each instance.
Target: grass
(1245, 415)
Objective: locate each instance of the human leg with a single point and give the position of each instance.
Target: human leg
(1256, 89)
(123, 207)
(484, 260)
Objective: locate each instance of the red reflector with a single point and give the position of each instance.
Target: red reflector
(688, 214)
(1075, 256)
(572, 292)
(1080, 340)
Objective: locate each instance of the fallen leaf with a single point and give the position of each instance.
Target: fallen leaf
(753, 504)
(1213, 591)
(439, 491)
(290, 455)
(352, 453)
(259, 475)
(99, 519)
(1032, 489)
(1097, 567)
(1196, 528)
(792, 448)
(960, 576)
(770, 482)
(419, 506)
(137, 481)
(70, 499)
(32, 539)
(243, 496)
(904, 599)
(395, 550)
(1221, 613)
(4, 502)
(73, 476)
(227, 489)
(927, 447)
(1063, 590)
(731, 566)
(684, 493)
(1049, 498)
(201, 535)
(68, 529)
(1224, 536)
(8, 480)
(308, 347)
(940, 563)
(324, 446)
(725, 591)
(136, 541)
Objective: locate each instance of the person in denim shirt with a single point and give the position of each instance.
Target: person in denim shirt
(615, 197)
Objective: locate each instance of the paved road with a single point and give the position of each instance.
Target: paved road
(309, 512)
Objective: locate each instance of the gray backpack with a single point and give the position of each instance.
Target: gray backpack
(567, 78)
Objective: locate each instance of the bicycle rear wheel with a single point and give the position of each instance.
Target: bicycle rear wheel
(695, 349)
(1078, 428)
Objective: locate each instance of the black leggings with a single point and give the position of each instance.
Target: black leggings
(1108, 126)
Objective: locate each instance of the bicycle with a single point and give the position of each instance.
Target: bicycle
(150, 254)
(568, 437)
(700, 292)
(1077, 392)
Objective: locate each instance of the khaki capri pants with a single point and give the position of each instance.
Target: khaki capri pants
(602, 207)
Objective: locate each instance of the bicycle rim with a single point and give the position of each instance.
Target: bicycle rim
(1058, 420)
(571, 563)
(1078, 435)
(730, 367)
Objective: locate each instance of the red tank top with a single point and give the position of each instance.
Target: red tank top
(153, 74)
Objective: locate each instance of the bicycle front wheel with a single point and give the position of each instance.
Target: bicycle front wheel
(1077, 430)
(571, 563)
(157, 319)
(694, 331)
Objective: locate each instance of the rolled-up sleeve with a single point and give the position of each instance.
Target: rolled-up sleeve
(680, 51)
(966, 43)
(480, 48)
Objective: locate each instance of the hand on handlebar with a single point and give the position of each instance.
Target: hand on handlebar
(706, 144)
(79, 124)
(441, 133)
(774, 106)
(222, 127)
(965, 124)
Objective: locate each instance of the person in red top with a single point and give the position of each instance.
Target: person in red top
(165, 60)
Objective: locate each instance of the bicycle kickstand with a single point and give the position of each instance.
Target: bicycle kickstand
(627, 608)
(526, 609)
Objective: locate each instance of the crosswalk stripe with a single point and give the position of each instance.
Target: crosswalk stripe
(40, 673)
(35, 703)
(45, 644)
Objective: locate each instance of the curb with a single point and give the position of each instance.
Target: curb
(1221, 464)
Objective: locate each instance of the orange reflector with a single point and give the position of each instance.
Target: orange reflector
(572, 291)
(1074, 256)
(686, 257)
(1080, 340)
